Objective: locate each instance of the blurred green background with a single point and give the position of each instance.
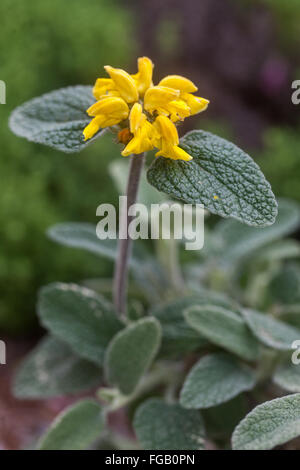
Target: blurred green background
(243, 54)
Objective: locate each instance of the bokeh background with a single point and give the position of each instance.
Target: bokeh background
(244, 56)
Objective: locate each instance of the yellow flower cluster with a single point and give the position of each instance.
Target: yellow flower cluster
(145, 113)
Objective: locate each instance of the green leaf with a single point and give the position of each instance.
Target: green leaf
(223, 328)
(76, 428)
(221, 177)
(162, 426)
(151, 278)
(104, 286)
(56, 119)
(215, 379)
(291, 314)
(272, 333)
(285, 285)
(131, 352)
(268, 425)
(287, 376)
(80, 317)
(52, 369)
(221, 420)
(177, 336)
(238, 240)
(83, 236)
(279, 250)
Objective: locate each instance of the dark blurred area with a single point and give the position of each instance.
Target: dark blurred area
(242, 54)
(232, 49)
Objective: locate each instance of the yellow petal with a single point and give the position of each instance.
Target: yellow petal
(103, 93)
(107, 112)
(104, 82)
(133, 147)
(196, 104)
(145, 138)
(179, 154)
(144, 75)
(130, 148)
(100, 93)
(167, 130)
(151, 132)
(175, 153)
(91, 129)
(108, 121)
(179, 83)
(158, 96)
(137, 145)
(136, 117)
(109, 106)
(124, 83)
(101, 87)
(178, 110)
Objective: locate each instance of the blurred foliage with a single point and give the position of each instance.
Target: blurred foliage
(168, 36)
(287, 19)
(48, 45)
(217, 126)
(280, 161)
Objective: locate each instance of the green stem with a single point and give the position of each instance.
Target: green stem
(268, 363)
(168, 254)
(124, 247)
(162, 374)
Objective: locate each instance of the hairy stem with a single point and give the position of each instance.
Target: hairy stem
(124, 247)
(168, 254)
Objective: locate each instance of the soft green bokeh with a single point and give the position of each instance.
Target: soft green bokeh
(286, 14)
(280, 161)
(47, 45)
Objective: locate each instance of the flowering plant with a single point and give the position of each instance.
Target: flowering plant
(153, 110)
(170, 335)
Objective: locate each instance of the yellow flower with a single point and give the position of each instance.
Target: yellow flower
(103, 87)
(186, 87)
(169, 140)
(179, 83)
(106, 112)
(159, 98)
(195, 103)
(124, 84)
(144, 76)
(145, 114)
(144, 133)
